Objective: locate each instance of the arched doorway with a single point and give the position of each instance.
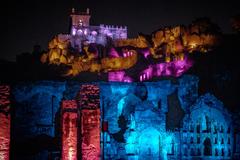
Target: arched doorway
(207, 147)
(149, 144)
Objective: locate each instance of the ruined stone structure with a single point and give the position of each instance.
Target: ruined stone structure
(113, 120)
(5, 122)
(150, 120)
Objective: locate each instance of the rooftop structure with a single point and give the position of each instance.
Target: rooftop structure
(83, 31)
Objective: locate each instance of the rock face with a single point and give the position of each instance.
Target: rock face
(151, 120)
(107, 49)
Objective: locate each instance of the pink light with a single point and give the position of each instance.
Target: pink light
(5, 121)
(175, 68)
(182, 66)
(144, 76)
(113, 53)
(69, 130)
(116, 76)
(94, 33)
(159, 69)
(90, 121)
(127, 79)
(91, 134)
(147, 73)
(145, 52)
(168, 70)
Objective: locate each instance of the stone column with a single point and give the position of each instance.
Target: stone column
(5, 120)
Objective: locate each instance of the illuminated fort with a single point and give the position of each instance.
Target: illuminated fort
(83, 32)
(127, 117)
(106, 49)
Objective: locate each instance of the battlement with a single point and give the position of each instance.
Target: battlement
(112, 27)
(81, 28)
(74, 12)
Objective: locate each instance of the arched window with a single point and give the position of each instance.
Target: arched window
(198, 128)
(191, 140)
(229, 152)
(216, 152)
(208, 124)
(185, 151)
(199, 152)
(229, 130)
(222, 151)
(207, 147)
(192, 152)
(215, 129)
(191, 127)
(80, 23)
(184, 139)
(159, 105)
(172, 149)
(221, 130)
(198, 139)
(228, 140)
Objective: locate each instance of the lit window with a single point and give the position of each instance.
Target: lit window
(80, 23)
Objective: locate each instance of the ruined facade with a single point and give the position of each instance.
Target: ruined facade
(151, 120)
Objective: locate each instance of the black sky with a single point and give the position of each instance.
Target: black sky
(36, 22)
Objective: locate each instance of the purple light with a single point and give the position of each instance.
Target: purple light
(74, 31)
(85, 32)
(141, 79)
(113, 53)
(116, 76)
(79, 32)
(145, 52)
(175, 68)
(127, 54)
(94, 33)
(147, 74)
(127, 79)
(182, 66)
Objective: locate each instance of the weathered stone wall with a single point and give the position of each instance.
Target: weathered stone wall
(5, 122)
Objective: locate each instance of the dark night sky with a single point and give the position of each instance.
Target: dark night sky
(36, 22)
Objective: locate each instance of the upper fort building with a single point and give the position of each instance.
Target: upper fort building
(82, 31)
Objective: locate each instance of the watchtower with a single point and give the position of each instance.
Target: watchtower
(80, 18)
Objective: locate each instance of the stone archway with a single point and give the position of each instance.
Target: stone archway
(149, 144)
(207, 147)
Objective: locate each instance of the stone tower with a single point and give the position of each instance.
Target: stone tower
(80, 18)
